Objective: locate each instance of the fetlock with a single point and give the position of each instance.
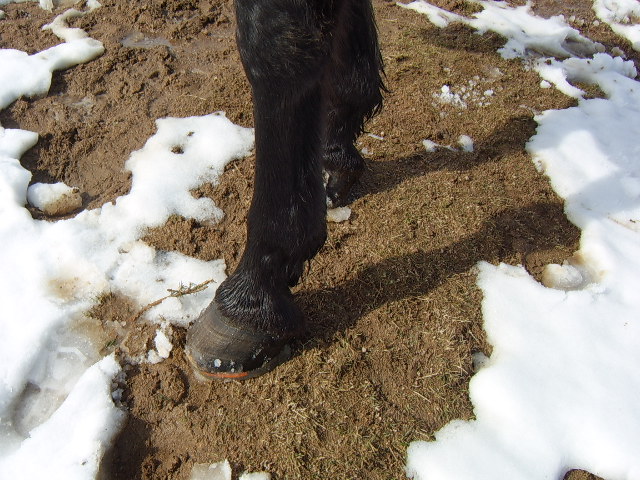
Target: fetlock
(253, 301)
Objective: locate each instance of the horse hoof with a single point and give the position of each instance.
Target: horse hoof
(219, 350)
(339, 186)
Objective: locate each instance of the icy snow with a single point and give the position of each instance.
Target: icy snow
(561, 387)
(622, 16)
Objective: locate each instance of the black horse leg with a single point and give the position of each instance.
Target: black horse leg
(354, 87)
(252, 318)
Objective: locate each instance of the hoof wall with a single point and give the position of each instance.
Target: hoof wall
(219, 350)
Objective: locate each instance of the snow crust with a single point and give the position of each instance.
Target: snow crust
(53, 382)
(560, 389)
(622, 16)
(87, 418)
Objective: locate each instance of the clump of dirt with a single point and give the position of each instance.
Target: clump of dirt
(115, 312)
(391, 303)
(580, 475)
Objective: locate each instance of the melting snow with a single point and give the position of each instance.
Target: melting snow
(464, 141)
(222, 471)
(622, 16)
(54, 198)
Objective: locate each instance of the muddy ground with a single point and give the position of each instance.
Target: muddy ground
(393, 311)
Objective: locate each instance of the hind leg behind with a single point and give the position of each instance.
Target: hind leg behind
(353, 87)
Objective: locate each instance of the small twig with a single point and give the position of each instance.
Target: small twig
(194, 96)
(180, 292)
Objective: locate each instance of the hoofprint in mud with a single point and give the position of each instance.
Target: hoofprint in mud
(558, 391)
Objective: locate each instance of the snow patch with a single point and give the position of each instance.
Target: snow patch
(524, 32)
(222, 471)
(622, 16)
(24, 75)
(447, 97)
(471, 93)
(54, 199)
(339, 214)
(465, 142)
(214, 471)
(163, 344)
(430, 146)
(88, 420)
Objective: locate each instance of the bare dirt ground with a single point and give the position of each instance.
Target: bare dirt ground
(393, 311)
